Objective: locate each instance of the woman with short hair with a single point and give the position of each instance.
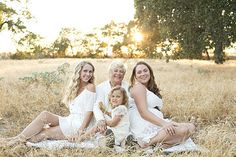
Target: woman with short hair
(117, 72)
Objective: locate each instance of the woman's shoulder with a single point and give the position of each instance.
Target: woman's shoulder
(137, 88)
(90, 87)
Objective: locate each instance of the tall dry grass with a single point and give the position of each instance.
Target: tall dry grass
(196, 91)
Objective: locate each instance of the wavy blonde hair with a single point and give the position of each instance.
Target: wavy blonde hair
(124, 93)
(74, 84)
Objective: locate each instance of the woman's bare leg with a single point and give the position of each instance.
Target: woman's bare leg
(182, 132)
(53, 133)
(37, 125)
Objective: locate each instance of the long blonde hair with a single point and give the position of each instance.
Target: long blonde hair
(74, 84)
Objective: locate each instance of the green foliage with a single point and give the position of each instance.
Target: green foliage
(104, 42)
(29, 47)
(63, 45)
(13, 18)
(48, 79)
(196, 25)
(60, 46)
(21, 55)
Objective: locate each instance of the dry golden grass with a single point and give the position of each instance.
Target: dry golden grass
(196, 91)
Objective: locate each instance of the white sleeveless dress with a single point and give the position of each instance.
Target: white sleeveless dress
(78, 108)
(141, 129)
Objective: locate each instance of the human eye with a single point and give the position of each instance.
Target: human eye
(139, 72)
(145, 70)
(122, 71)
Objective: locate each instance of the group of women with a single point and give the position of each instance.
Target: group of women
(83, 98)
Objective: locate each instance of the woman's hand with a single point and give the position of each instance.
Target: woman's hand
(170, 128)
(101, 125)
(76, 138)
(80, 132)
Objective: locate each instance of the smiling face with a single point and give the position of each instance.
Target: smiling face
(117, 75)
(142, 74)
(116, 98)
(86, 73)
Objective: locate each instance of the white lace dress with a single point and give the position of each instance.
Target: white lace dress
(78, 108)
(121, 130)
(140, 128)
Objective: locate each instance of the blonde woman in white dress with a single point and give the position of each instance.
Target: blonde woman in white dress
(146, 120)
(80, 99)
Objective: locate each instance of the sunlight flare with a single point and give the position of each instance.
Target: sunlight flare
(138, 37)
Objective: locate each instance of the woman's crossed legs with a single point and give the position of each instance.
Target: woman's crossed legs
(36, 130)
(182, 132)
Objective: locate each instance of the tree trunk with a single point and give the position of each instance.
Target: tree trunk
(218, 53)
(208, 57)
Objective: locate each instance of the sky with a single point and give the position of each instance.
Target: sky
(52, 15)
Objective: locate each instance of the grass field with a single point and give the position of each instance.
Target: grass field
(193, 91)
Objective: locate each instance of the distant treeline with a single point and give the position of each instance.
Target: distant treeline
(164, 28)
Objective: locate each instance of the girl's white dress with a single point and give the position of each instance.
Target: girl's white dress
(78, 108)
(144, 130)
(121, 130)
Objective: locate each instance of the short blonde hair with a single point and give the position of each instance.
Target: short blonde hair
(124, 93)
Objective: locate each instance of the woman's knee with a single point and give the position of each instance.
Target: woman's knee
(191, 128)
(43, 116)
(54, 132)
(187, 129)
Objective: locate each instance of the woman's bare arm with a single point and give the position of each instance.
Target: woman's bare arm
(138, 92)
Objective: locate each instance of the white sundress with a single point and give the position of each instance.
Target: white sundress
(144, 130)
(78, 108)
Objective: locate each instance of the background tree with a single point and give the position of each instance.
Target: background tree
(196, 25)
(113, 35)
(13, 19)
(66, 43)
(29, 47)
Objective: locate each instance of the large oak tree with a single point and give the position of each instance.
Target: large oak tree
(196, 25)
